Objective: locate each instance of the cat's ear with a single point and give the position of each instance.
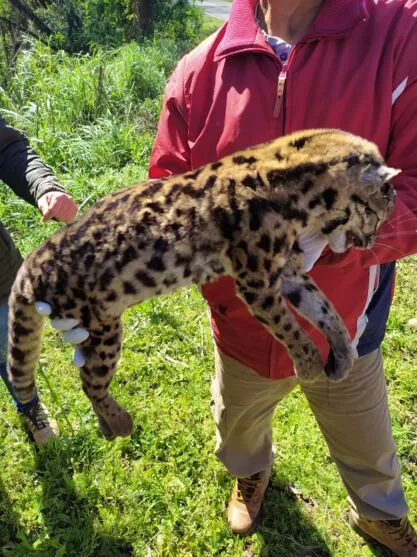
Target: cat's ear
(375, 176)
(386, 173)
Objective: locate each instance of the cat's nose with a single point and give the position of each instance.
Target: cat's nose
(363, 242)
(369, 241)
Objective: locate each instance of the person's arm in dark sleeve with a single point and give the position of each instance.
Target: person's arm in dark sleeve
(22, 169)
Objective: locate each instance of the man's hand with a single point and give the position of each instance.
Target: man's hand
(312, 242)
(57, 205)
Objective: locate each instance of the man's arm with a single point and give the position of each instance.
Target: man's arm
(22, 169)
(30, 178)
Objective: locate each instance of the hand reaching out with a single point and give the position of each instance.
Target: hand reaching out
(57, 205)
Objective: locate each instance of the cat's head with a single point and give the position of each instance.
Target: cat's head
(369, 200)
(341, 182)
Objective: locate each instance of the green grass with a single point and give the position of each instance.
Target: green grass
(160, 492)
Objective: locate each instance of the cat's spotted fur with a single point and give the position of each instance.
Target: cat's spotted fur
(240, 216)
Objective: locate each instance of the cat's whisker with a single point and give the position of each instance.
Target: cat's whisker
(389, 247)
(395, 234)
(375, 255)
(409, 215)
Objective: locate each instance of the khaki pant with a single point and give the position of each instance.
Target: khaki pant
(353, 417)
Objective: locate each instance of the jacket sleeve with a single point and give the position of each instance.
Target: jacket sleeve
(397, 238)
(22, 169)
(171, 152)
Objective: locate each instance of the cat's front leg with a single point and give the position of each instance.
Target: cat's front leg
(310, 302)
(269, 307)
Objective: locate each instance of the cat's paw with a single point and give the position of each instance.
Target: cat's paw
(123, 425)
(309, 367)
(105, 429)
(338, 364)
(118, 423)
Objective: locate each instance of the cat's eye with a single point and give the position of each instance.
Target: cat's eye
(386, 188)
(368, 211)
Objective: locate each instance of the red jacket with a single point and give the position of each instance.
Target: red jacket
(355, 69)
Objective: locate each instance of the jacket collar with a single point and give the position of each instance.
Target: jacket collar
(335, 18)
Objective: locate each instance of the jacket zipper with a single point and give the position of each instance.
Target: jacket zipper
(280, 90)
(282, 80)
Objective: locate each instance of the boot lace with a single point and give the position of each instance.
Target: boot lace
(403, 532)
(247, 486)
(37, 417)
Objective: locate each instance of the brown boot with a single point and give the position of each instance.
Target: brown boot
(246, 501)
(397, 535)
(40, 426)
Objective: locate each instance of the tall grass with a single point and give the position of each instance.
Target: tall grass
(92, 117)
(79, 110)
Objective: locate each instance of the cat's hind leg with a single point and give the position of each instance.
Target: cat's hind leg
(101, 352)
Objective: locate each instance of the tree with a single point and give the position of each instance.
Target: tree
(30, 14)
(77, 25)
(144, 8)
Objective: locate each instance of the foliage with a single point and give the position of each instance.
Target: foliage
(80, 25)
(92, 116)
(89, 108)
(182, 22)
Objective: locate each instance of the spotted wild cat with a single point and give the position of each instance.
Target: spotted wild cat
(241, 216)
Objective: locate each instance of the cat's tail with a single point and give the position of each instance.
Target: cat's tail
(25, 330)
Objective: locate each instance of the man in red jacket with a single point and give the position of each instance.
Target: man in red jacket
(275, 67)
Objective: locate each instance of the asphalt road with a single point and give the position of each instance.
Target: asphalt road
(216, 8)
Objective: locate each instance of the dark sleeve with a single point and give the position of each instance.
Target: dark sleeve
(22, 169)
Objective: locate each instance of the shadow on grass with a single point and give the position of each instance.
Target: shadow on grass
(71, 520)
(285, 527)
(9, 524)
